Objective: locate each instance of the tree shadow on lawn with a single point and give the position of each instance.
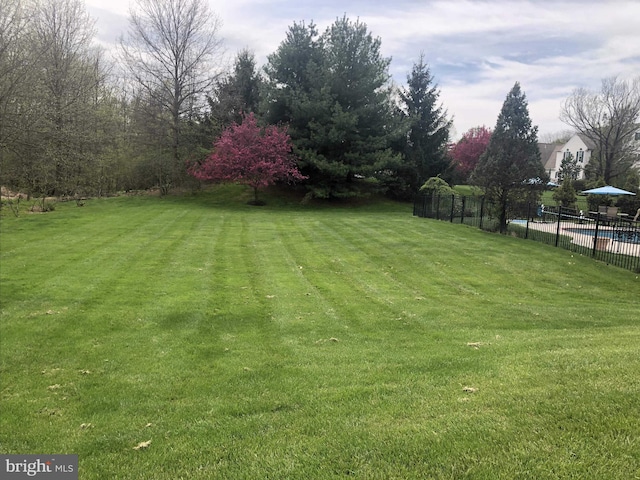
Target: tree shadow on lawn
(276, 197)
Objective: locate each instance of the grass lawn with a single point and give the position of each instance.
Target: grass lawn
(581, 200)
(301, 342)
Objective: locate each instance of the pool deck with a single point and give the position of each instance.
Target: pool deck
(604, 244)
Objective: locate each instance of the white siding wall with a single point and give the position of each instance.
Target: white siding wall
(575, 145)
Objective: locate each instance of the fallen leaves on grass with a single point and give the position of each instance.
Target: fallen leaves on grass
(86, 425)
(469, 389)
(142, 445)
(477, 345)
(54, 387)
(85, 372)
(50, 411)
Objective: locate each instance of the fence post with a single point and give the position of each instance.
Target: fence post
(453, 204)
(526, 230)
(595, 236)
(462, 211)
(558, 227)
(481, 212)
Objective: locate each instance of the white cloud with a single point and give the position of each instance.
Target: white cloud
(476, 49)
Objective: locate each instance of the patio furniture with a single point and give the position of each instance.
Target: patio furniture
(602, 243)
(605, 215)
(612, 213)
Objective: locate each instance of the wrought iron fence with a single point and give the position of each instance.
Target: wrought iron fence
(614, 239)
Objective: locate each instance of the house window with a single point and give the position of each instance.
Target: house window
(567, 155)
(580, 156)
(637, 135)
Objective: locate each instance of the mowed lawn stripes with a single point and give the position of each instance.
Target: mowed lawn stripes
(293, 341)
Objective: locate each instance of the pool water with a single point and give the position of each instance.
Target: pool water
(620, 235)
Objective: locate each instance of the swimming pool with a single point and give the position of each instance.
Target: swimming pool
(628, 236)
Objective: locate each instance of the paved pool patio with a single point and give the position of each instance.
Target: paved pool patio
(625, 240)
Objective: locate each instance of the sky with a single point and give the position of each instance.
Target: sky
(476, 49)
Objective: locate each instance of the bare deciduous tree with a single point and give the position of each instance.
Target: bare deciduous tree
(172, 51)
(609, 118)
(16, 61)
(51, 94)
(13, 29)
(70, 73)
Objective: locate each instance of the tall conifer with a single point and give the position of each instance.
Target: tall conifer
(511, 165)
(425, 150)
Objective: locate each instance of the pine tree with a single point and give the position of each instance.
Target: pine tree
(425, 149)
(237, 94)
(511, 165)
(334, 93)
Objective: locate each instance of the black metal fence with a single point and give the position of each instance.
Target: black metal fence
(614, 239)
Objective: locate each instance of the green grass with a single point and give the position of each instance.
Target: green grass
(467, 190)
(581, 200)
(292, 341)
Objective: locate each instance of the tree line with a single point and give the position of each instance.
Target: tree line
(75, 121)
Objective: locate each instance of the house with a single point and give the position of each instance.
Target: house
(636, 140)
(579, 146)
(548, 152)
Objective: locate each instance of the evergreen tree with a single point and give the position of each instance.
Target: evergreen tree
(565, 195)
(511, 167)
(293, 75)
(237, 94)
(334, 92)
(569, 168)
(425, 145)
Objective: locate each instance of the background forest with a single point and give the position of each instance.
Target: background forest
(77, 120)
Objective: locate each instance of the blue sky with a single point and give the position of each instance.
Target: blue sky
(476, 50)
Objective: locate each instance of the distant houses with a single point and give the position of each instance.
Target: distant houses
(580, 147)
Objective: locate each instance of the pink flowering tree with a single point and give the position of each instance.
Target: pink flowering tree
(467, 151)
(248, 154)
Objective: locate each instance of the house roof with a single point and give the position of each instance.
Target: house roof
(548, 154)
(587, 141)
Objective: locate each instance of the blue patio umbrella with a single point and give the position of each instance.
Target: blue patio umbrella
(607, 190)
